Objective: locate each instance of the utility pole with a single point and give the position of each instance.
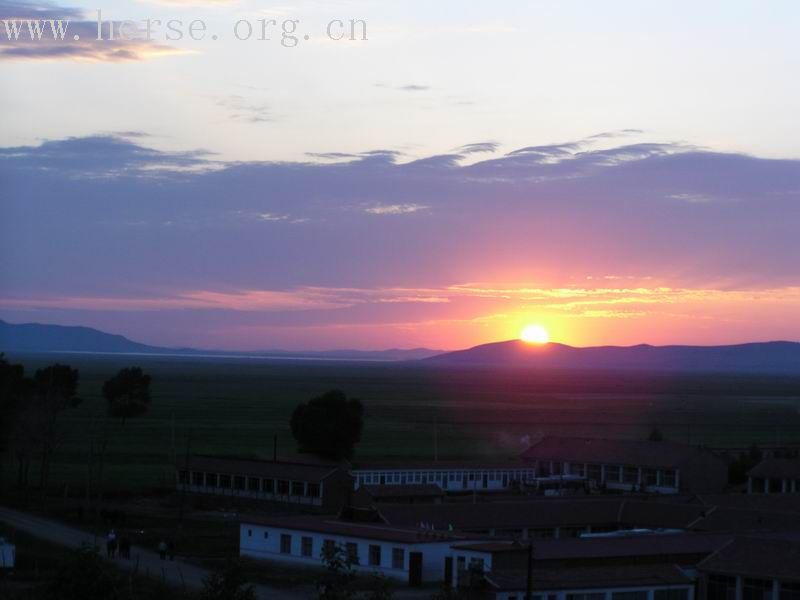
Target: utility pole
(436, 440)
(529, 583)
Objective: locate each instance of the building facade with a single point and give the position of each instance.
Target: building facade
(775, 476)
(630, 465)
(316, 485)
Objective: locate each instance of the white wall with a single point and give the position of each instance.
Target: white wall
(252, 543)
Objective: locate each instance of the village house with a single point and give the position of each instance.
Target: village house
(320, 485)
(450, 476)
(752, 569)
(630, 465)
(775, 476)
(412, 555)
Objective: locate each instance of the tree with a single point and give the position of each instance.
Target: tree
(86, 576)
(329, 425)
(127, 394)
(337, 582)
(227, 583)
(55, 390)
(655, 435)
(13, 389)
(379, 588)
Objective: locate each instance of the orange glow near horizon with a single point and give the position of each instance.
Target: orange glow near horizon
(535, 334)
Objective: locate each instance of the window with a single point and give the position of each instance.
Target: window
(476, 565)
(329, 546)
(253, 484)
(544, 468)
(461, 563)
(557, 467)
(675, 594)
(313, 490)
(547, 532)
(183, 477)
(578, 469)
(283, 487)
(298, 488)
(197, 478)
(249, 533)
(651, 477)
(630, 474)
(398, 558)
(351, 548)
(238, 482)
(721, 587)
(211, 480)
(374, 555)
(640, 595)
(268, 486)
(266, 535)
(306, 546)
(757, 589)
(790, 591)
(286, 543)
(613, 473)
(668, 478)
(225, 481)
(593, 472)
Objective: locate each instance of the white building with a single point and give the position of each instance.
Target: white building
(8, 554)
(455, 476)
(775, 476)
(410, 555)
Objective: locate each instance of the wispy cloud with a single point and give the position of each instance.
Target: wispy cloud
(394, 209)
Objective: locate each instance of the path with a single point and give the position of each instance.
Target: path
(177, 573)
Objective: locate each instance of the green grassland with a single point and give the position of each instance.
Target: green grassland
(235, 406)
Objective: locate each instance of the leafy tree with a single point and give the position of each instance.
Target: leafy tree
(337, 582)
(55, 390)
(13, 389)
(379, 588)
(227, 583)
(329, 425)
(86, 576)
(127, 393)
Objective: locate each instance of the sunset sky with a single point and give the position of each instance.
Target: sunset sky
(620, 172)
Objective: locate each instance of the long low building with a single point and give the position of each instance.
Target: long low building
(630, 582)
(775, 476)
(450, 476)
(752, 568)
(630, 465)
(410, 555)
(326, 486)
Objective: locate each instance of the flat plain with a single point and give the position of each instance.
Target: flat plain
(415, 410)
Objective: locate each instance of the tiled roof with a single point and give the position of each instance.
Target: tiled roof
(397, 491)
(629, 546)
(756, 557)
(505, 515)
(777, 468)
(618, 576)
(623, 452)
(441, 465)
(297, 471)
(376, 531)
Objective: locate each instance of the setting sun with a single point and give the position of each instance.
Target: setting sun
(535, 334)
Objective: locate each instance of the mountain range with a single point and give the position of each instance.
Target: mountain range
(757, 357)
(36, 337)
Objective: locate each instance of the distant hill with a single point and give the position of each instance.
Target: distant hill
(765, 357)
(35, 337)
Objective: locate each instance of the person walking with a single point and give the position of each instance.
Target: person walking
(111, 544)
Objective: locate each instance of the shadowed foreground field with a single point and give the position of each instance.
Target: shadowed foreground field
(236, 405)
